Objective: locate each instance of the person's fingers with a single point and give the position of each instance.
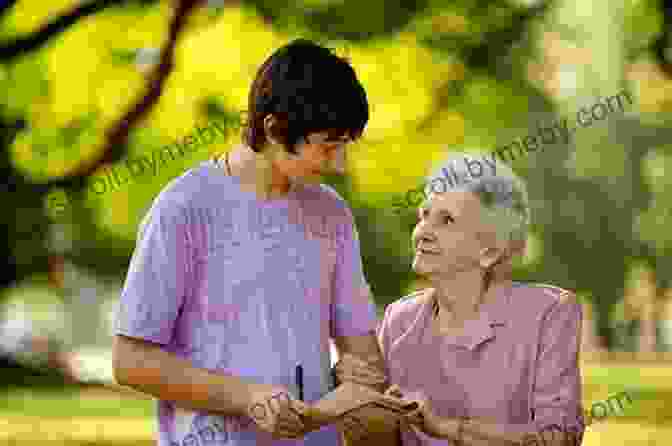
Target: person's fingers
(280, 408)
(405, 424)
(360, 375)
(352, 365)
(353, 430)
(300, 408)
(414, 418)
(283, 434)
(279, 400)
(292, 428)
(362, 368)
(415, 398)
(395, 401)
(289, 417)
(395, 391)
(416, 429)
(300, 405)
(288, 428)
(416, 415)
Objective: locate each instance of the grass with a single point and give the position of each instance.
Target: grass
(73, 403)
(90, 417)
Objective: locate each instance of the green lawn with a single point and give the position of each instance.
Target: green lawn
(91, 417)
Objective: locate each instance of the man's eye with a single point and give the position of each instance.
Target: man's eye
(448, 219)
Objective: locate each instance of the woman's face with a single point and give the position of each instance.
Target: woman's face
(450, 235)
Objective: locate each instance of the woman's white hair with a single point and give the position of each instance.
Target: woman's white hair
(502, 194)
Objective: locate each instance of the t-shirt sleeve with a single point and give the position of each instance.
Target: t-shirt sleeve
(556, 397)
(353, 310)
(157, 278)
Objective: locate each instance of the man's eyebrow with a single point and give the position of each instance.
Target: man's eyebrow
(337, 138)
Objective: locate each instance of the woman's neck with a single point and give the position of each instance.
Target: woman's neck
(460, 296)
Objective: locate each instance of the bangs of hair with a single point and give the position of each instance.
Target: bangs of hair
(309, 89)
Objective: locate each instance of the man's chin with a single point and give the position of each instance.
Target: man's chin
(310, 179)
(322, 177)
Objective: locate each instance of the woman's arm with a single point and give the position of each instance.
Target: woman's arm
(471, 432)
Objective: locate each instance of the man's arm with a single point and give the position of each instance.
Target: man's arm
(145, 367)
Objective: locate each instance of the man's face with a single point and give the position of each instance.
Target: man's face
(319, 154)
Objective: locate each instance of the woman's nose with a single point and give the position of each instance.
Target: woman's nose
(423, 232)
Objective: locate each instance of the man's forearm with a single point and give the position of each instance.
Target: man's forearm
(168, 377)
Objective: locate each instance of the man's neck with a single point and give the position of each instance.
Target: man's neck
(257, 173)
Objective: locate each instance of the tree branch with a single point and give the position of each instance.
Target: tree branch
(24, 45)
(6, 6)
(662, 47)
(115, 146)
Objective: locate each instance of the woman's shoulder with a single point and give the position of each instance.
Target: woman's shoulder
(406, 309)
(542, 297)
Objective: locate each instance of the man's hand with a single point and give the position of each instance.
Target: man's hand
(353, 428)
(275, 411)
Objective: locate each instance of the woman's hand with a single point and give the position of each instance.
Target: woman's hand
(423, 418)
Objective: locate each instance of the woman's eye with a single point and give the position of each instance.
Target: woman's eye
(447, 218)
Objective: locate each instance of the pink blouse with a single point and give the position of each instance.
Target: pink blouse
(516, 365)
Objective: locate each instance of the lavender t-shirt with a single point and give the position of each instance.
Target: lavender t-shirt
(245, 287)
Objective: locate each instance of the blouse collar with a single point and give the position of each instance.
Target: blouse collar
(493, 312)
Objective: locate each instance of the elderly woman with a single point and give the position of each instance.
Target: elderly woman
(492, 361)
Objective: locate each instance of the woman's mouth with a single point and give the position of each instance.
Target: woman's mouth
(426, 251)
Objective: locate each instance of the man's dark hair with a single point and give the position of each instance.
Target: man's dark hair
(309, 89)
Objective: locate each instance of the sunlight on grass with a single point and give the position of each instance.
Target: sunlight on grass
(26, 430)
(55, 404)
(632, 434)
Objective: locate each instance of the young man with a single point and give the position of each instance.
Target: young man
(246, 265)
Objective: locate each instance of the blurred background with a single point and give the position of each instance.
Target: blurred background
(87, 85)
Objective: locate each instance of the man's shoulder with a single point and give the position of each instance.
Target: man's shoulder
(326, 199)
(197, 189)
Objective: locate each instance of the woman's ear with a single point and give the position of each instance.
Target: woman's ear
(491, 256)
(518, 248)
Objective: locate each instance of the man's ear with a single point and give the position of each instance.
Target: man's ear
(271, 129)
